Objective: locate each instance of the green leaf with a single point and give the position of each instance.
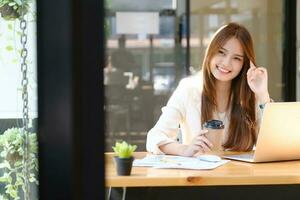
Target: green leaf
(9, 48)
(18, 2)
(5, 164)
(3, 179)
(18, 163)
(12, 3)
(19, 181)
(11, 190)
(3, 153)
(32, 179)
(10, 27)
(124, 150)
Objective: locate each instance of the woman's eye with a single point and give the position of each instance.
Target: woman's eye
(221, 52)
(237, 58)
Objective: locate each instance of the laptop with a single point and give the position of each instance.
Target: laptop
(279, 135)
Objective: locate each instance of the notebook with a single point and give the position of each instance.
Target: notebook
(279, 135)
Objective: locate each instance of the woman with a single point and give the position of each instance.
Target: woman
(229, 88)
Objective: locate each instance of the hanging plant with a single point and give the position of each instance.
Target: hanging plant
(107, 25)
(12, 153)
(13, 9)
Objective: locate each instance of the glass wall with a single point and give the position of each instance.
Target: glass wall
(146, 54)
(263, 18)
(145, 60)
(18, 102)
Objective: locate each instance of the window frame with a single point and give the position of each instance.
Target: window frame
(70, 52)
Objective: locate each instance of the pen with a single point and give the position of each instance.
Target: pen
(166, 160)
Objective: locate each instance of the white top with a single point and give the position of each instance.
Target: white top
(182, 110)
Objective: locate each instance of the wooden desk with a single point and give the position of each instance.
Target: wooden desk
(232, 173)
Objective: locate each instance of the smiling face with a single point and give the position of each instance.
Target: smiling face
(227, 63)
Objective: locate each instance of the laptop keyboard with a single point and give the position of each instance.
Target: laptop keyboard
(245, 156)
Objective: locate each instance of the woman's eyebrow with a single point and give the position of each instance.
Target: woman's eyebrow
(233, 54)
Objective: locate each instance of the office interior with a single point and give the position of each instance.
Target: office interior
(154, 61)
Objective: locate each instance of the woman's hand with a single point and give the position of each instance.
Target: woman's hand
(200, 144)
(257, 78)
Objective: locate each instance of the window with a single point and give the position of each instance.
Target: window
(145, 61)
(259, 17)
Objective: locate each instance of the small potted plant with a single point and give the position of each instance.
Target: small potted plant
(124, 157)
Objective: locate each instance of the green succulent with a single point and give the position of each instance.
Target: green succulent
(12, 165)
(124, 150)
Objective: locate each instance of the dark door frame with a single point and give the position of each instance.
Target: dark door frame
(289, 66)
(70, 99)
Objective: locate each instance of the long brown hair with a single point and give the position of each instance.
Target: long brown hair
(242, 127)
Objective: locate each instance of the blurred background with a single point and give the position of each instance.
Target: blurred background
(151, 45)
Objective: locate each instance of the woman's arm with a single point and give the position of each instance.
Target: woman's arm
(162, 138)
(166, 129)
(199, 144)
(174, 148)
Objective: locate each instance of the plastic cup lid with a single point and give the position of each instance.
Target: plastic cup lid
(214, 124)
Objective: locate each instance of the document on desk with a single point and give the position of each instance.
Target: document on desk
(176, 162)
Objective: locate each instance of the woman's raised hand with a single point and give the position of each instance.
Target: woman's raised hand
(257, 78)
(199, 145)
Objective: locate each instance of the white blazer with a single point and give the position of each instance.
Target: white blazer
(182, 110)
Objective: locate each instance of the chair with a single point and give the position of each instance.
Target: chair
(117, 110)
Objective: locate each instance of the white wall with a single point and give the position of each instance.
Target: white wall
(10, 70)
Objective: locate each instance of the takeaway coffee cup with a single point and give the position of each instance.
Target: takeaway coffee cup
(215, 133)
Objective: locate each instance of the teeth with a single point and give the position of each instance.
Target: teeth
(223, 70)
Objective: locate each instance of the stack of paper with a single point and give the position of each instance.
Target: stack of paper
(180, 162)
